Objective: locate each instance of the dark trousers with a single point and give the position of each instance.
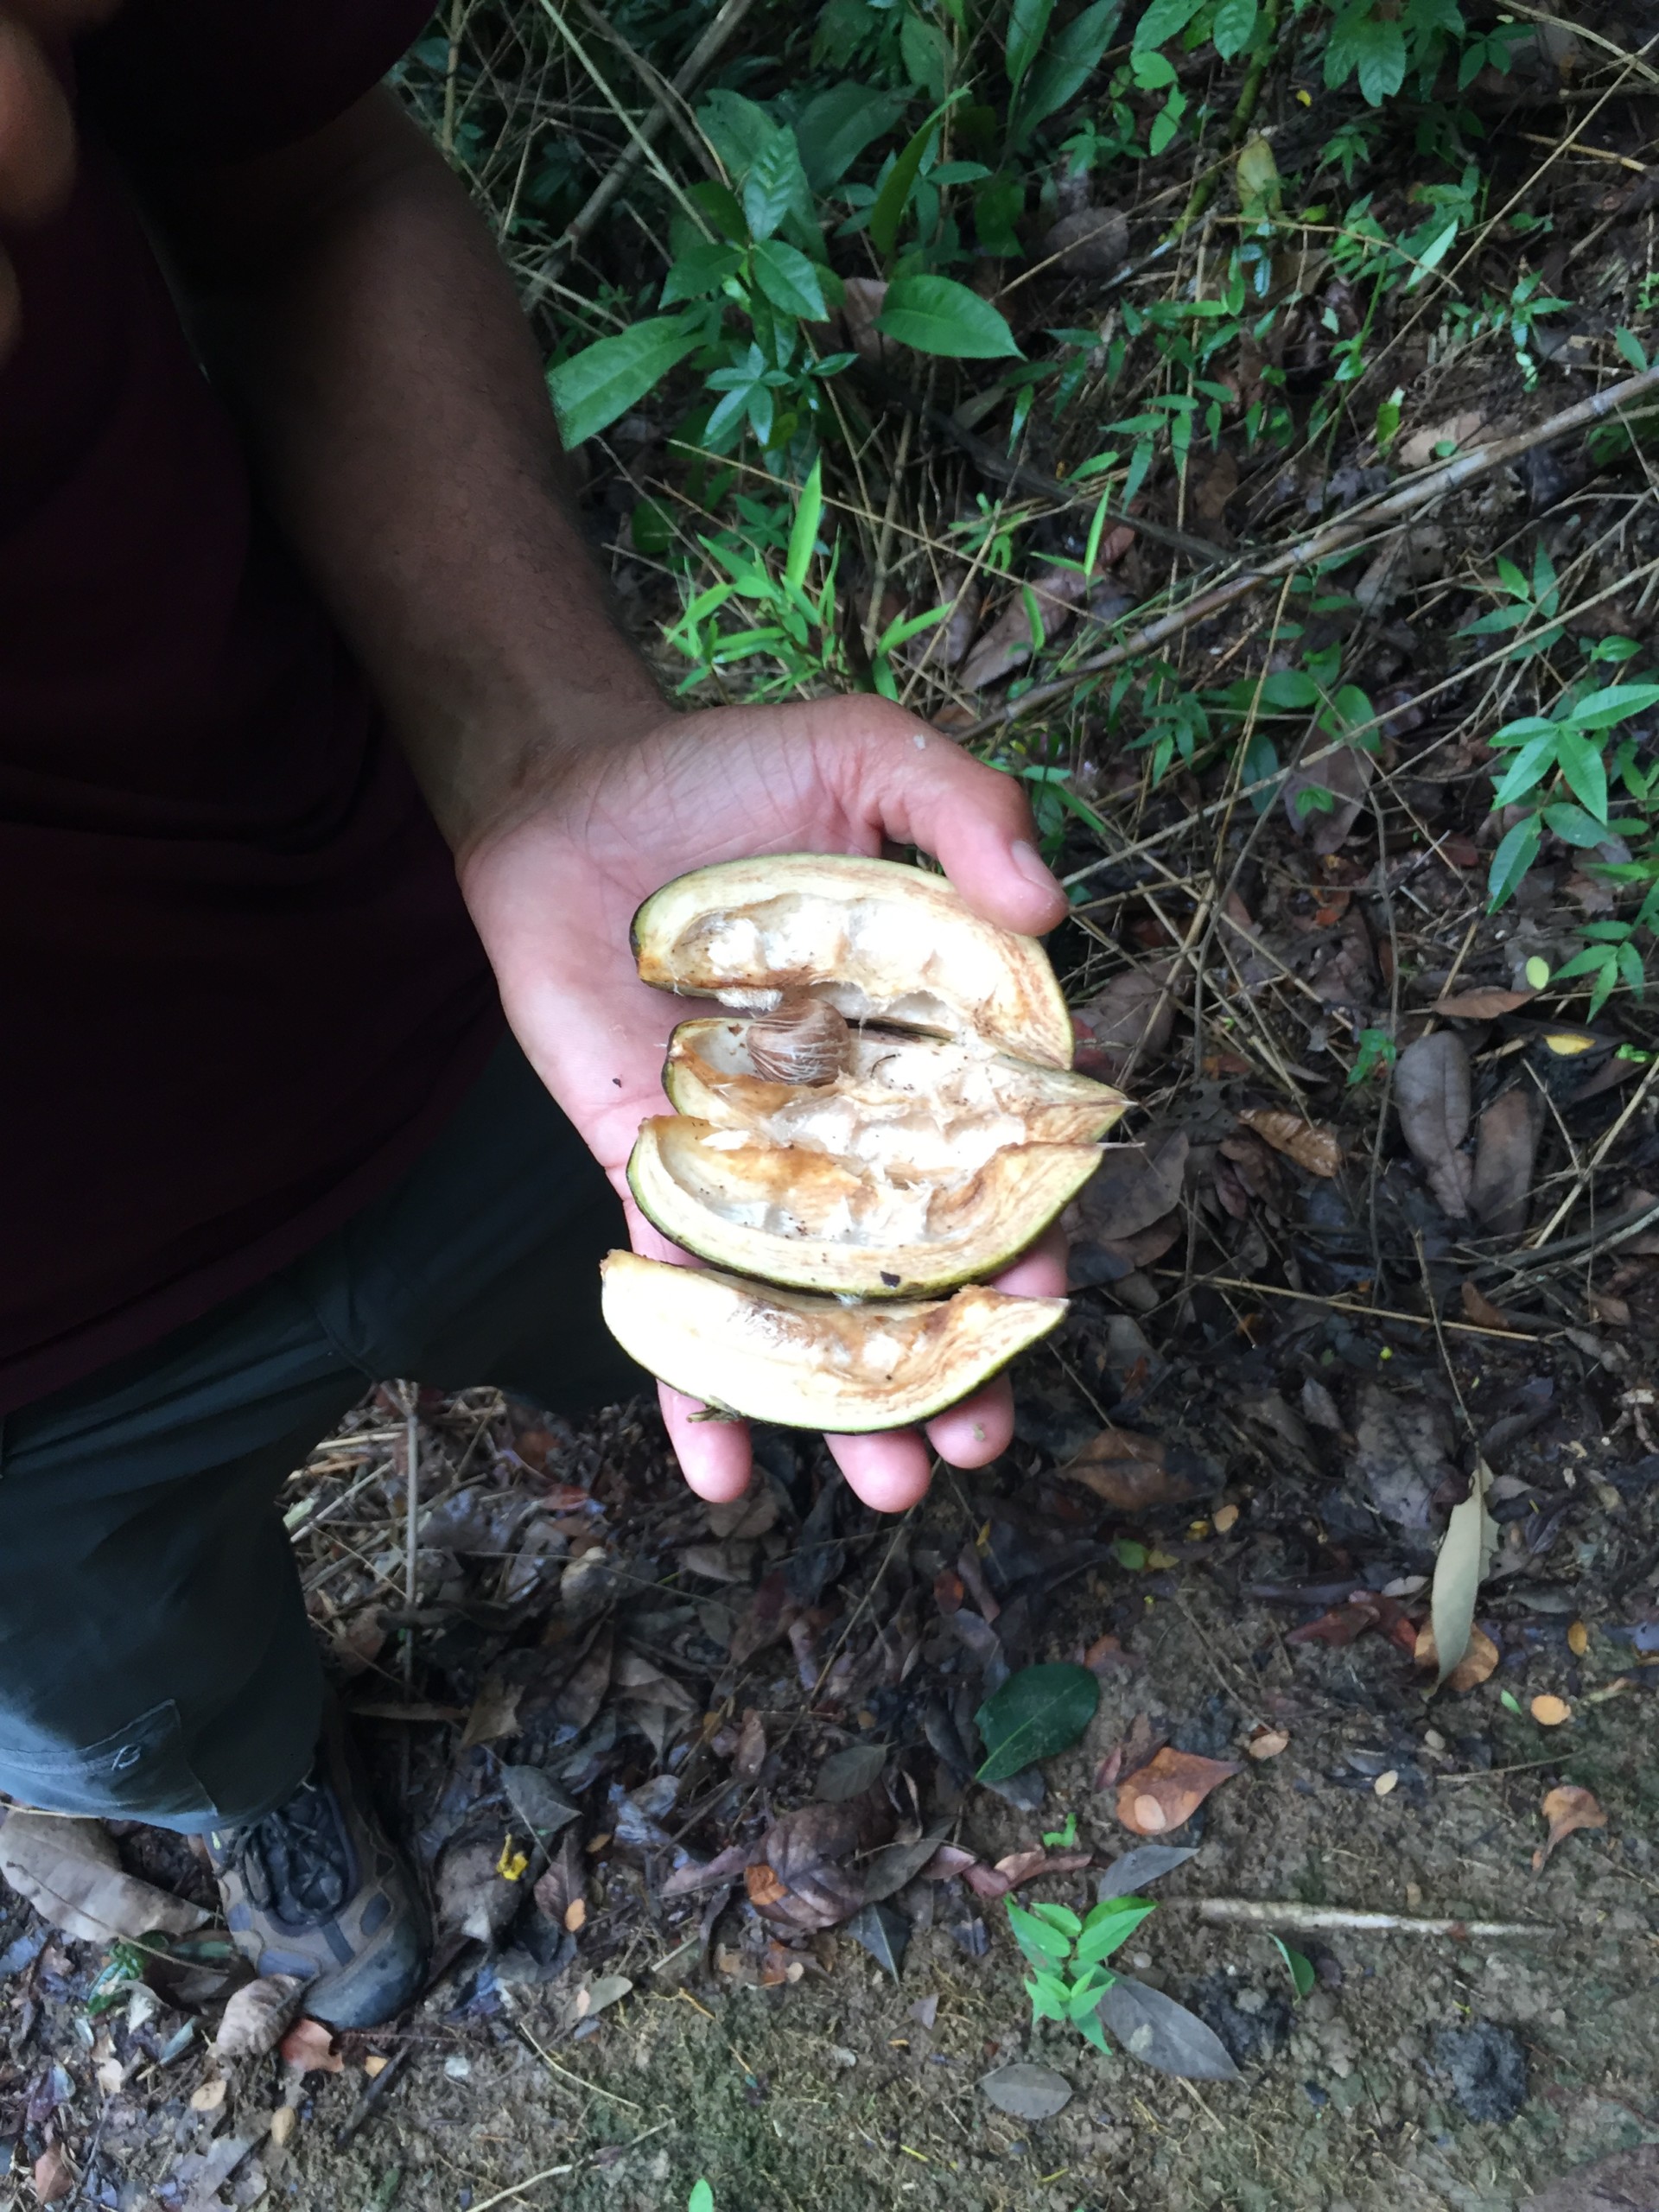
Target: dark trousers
(155, 1661)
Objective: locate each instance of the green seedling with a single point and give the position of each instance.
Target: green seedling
(1069, 1955)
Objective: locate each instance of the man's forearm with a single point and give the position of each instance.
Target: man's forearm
(352, 307)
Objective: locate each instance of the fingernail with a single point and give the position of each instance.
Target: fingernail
(1031, 864)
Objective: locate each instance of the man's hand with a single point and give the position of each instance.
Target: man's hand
(554, 890)
(351, 308)
(37, 137)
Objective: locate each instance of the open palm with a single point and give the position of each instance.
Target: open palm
(553, 893)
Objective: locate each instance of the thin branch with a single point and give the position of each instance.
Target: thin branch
(1318, 545)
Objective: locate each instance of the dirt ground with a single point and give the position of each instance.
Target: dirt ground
(827, 2090)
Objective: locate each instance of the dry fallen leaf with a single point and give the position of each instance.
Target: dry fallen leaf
(494, 1713)
(1550, 1712)
(1506, 1152)
(1566, 1809)
(53, 2176)
(1166, 1792)
(1127, 1471)
(1482, 1006)
(1268, 1743)
(374, 2064)
(256, 2015)
(1577, 1639)
(1344, 779)
(67, 1871)
(1481, 1310)
(309, 2048)
(1478, 1663)
(209, 2096)
(1310, 1146)
(1134, 1015)
(1431, 1090)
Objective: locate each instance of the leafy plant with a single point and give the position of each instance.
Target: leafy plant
(1559, 764)
(701, 2198)
(1069, 1953)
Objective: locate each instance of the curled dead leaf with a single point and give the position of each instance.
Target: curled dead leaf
(1166, 1792)
(1478, 1664)
(1566, 1809)
(256, 2016)
(1309, 1146)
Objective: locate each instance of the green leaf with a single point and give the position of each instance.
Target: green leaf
(895, 196)
(1043, 1945)
(803, 535)
(1162, 20)
(1100, 1938)
(1288, 688)
(925, 51)
(1069, 61)
(701, 2198)
(1574, 827)
(1037, 1711)
(719, 204)
(1086, 1993)
(1510, 862)
(1601, 709)
(604, 380)
(701, 270)
(1530, 766)
(1585, 771)
(773, 185)
(789, 280)
(1233, 27)
(834, 129)
(1301, 1967)
(1374, 47)
(1382, 61)
(736, 129)
(1096, 2034)
(1061, 1918)
(1631, 347)
(938, 315)
(1027, 27)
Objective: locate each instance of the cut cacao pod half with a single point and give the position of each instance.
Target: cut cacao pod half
(811, 1363)
(903, 1106)
(813, 1222)
(879, 941)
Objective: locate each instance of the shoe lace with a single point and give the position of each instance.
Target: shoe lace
(294, 1861)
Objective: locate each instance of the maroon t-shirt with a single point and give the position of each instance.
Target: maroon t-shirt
(238, 991)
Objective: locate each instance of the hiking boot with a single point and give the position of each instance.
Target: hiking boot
(316, 1889)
